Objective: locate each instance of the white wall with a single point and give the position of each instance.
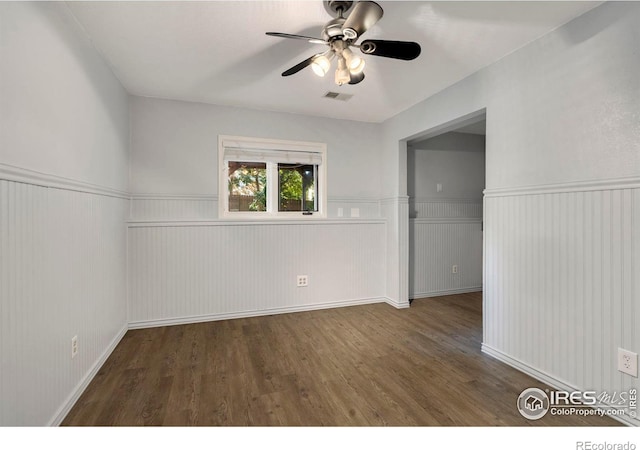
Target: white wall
(175, 146)
(562, 115)
(63, 166)
(62, 112)
(454, 160)
(174, 178)
(460, 174)
(561, 109)
(445, 227)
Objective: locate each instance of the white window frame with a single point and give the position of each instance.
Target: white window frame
(240, 143)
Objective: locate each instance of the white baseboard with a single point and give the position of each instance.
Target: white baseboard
(546, 378)
(467, 290)
(71, 400)
(136, 324)
(395, 304)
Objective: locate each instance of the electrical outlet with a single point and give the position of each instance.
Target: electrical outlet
(74, 346)
(340, 212)
(628, 362)
(303, 281)
(454, 268)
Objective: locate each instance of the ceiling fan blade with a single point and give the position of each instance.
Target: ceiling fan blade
(363, 16)
(297, 36)
(391, 49)
(298, 67)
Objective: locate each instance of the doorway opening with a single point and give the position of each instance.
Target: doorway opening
(445, 184)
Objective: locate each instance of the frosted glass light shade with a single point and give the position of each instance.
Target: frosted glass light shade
(320, 65)
(355, 64)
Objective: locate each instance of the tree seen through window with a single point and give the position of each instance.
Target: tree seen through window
(248, 187)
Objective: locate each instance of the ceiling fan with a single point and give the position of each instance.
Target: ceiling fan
(341, 34)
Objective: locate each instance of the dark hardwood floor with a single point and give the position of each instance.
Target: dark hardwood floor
(362, 365)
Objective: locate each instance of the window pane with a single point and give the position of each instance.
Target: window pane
(297, 187)
(247, 186)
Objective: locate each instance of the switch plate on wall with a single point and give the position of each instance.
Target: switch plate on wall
(303, 281)
(74, 346)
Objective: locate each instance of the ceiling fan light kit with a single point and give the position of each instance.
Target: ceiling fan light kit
(354, 63)
(342, 33)
(322, 63)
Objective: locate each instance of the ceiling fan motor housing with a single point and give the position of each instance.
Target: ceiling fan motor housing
(333, 29)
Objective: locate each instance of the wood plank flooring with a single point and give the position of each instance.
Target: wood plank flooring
(362, 365)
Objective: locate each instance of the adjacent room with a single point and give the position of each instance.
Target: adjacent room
(286, 213)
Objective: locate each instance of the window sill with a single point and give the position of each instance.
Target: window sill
(265, 216)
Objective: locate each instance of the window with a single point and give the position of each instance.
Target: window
(247, 186)
(264, 178)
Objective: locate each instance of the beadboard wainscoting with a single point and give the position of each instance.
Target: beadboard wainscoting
(396, 211)
(437, 247)
(62, 274)
(444, 233)
(562, 282)
(170, 207)
(185, 272)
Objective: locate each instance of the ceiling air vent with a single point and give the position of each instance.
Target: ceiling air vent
(337, 96)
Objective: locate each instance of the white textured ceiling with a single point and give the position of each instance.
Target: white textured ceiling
(217, 52)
